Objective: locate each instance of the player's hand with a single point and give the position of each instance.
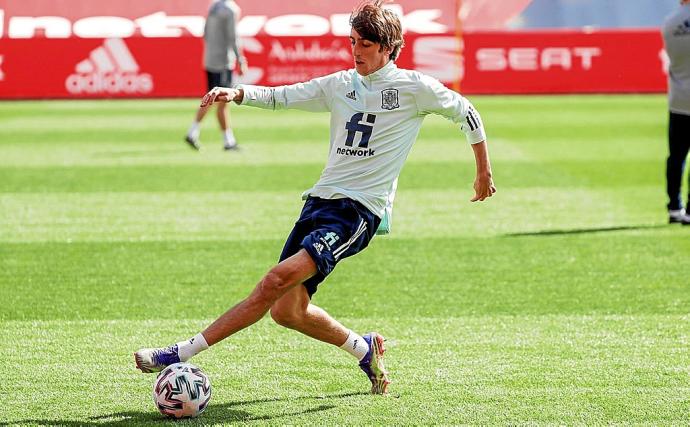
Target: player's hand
(219, 94)
(483, 188)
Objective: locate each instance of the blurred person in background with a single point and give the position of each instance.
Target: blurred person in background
(676, 34)
(222, 55)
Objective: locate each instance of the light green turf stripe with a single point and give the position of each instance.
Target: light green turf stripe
(115, 116)
(433, 176)
(193, 216)
(255, 153)
(479, 370)
(173, 153)
(261, 215)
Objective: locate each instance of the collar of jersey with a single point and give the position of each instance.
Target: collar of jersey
(379, 74)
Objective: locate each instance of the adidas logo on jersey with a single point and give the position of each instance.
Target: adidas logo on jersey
(111, 69)
(351, 95)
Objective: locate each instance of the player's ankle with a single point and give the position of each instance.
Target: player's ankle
(191, 347)
(355, 345)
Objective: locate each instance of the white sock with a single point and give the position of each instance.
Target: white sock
(194, 130)
(356, 346)
(229, 137)
(191, 347)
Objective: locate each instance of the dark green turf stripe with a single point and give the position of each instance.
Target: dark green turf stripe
(162, 138)
(158, 178)
(603, 273)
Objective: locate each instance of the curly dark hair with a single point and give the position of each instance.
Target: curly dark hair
(375, 23)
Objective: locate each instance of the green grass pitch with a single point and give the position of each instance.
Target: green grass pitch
(564, 299)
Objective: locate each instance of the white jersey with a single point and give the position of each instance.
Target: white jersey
(375, 120)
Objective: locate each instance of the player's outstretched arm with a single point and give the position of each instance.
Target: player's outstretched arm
(483, 183)
(222, 94)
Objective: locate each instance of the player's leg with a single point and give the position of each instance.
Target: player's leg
(280, 279)
(331, 230)
(200, 114)
(213, 79)
(681, 134)
(675, 164)
(223, 115)
(192, 136)
(294, 310)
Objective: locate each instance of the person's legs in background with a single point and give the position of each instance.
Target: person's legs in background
(679, 143)
(222, 79)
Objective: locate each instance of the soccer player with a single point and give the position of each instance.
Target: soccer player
(676, 33)
(376, 111)
(222, 54)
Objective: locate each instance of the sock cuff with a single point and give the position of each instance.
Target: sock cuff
(346, 343)
(199, 338)
(191, 347)
(355, 345)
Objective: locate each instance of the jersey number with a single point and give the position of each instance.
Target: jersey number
(354, 127)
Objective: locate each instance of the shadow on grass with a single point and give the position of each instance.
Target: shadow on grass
(586, 230)
(219, 413)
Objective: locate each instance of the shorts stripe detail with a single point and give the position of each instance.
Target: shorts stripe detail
(342, 248)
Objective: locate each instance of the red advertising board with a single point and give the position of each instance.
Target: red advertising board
(172, 18)
(129, 48)
(486, 63)
(179, 18)
(87, 68)
(564, 62)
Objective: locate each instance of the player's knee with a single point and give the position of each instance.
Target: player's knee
(285, 316)
(272, 286)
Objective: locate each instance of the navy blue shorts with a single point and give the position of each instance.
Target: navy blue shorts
(330, 230)
(222, 79)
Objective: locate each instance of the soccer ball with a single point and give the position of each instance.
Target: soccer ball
(181, 391)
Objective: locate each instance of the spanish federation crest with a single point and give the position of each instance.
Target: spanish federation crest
(389, 99)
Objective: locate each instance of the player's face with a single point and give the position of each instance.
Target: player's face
(369, 56)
